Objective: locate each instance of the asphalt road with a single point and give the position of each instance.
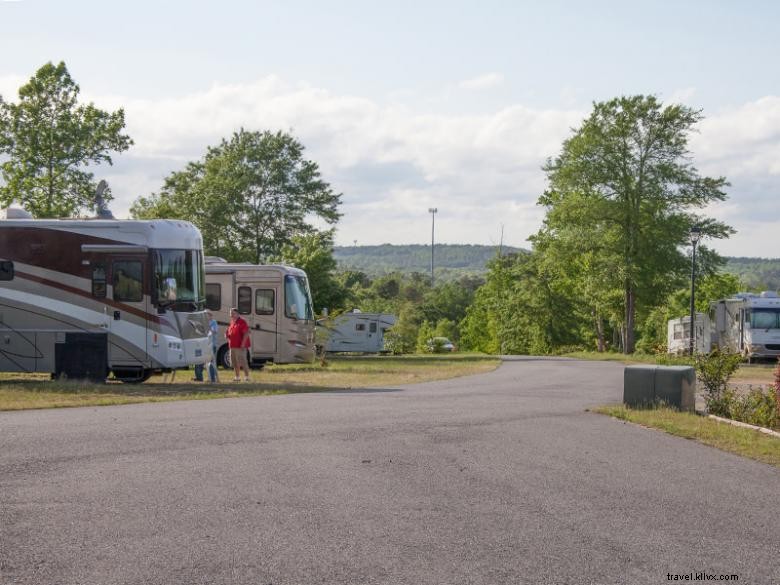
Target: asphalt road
(491, 479)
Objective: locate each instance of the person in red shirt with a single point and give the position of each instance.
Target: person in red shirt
(237, 335)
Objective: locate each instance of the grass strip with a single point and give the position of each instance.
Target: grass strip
(740, 441)
(35, 391)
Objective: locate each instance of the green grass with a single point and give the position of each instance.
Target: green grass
(30, 391)
(608, 356)
(744, 442)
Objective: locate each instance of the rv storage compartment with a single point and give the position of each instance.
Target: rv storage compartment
(82, 356)
(672, 385)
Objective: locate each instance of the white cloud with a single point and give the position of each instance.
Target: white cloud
(682, 96)
(487, 81)
(393, 163)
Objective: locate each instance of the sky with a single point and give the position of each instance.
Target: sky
(411, 105)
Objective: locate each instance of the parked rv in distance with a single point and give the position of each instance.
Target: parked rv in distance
(747, 323)
(357, 332)
(81, 298)
(678, 334)
(274, 300)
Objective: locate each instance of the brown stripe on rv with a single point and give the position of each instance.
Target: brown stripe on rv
(76, 291)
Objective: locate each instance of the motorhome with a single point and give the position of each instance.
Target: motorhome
(274, 299)
(82, 298)
(357, 332)
(749, 324)
(678, 335)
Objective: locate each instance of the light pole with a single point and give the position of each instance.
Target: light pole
(432, 211)
(694, 236)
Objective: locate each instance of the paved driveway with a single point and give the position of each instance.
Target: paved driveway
(491, 479)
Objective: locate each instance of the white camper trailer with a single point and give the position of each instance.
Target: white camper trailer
(274, 300)
(678, 335)
(749, 324)
(82, 298)
(358, 332)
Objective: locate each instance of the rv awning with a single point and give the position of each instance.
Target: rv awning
(114, 248)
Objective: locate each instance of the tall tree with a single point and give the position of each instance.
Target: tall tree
(50, 140)
(624, 182)
(313, 253)
(250, 196)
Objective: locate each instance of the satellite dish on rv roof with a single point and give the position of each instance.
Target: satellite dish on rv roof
(101, 207)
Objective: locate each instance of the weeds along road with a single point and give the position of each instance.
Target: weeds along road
(496, 478)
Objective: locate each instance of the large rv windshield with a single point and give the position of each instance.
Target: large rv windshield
(297, 298)
(765, 318)
(179, 277)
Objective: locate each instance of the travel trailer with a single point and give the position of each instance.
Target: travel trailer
(749, 324)
(678, 335)
(358, 332)
(82, 298)
(274, 300)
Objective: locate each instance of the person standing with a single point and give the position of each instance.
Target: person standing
(212, 365)
(213, 332)
(237, 335)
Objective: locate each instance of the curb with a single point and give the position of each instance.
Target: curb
(743, 425)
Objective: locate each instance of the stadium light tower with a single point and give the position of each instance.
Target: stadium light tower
(432, 211)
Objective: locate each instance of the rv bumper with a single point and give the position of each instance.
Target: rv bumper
(301, 352)
(764, 351)
(178, 353)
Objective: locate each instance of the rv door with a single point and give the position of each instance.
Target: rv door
(127, 310)
(257, 303)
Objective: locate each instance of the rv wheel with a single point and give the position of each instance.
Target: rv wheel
(223, 357)
(132, 376)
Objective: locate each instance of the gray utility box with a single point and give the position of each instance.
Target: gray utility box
(673, 385)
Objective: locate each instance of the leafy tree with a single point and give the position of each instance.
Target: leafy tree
(424, 335)
(313, 253)
(249, 196)
(50, 140)
(624, 187)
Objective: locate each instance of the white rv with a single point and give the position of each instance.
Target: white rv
(749, 324)
(358, 332)
(82, 298)
(274, 300)
(678, 335)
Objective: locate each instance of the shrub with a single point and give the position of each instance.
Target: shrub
(758, 407)
(714, 370)
(777, 384)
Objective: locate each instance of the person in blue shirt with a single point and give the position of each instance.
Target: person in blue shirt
(213, 331)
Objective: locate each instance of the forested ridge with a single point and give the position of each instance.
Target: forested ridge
(453, 259)
(450, 260)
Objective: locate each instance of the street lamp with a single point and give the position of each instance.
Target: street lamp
(694, 236)
(432, 211)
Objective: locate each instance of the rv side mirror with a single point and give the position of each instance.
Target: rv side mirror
(6, 270)
(169, 289)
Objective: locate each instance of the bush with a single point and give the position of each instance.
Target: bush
(758, 407)
(714, 370)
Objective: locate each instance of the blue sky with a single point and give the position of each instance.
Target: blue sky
(408, 105)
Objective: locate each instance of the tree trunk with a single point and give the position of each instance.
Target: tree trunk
(628, 345)
(600, 334)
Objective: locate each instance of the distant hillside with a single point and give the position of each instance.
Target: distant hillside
(756, 273)
(454, 260)
(451, 260)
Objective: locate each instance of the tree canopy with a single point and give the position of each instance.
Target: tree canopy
(50, 140)
(622, 197)
(250, 196)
